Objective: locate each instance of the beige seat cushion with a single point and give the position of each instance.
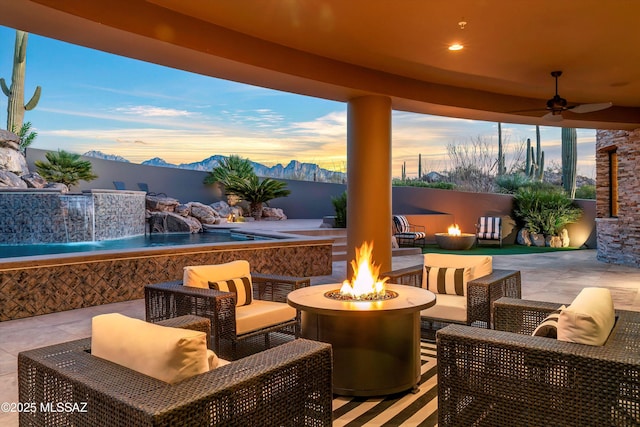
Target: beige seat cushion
(479, 265)
(449, 307)
(260, 314)
(199, 276)
(589, 319)
(168, 354)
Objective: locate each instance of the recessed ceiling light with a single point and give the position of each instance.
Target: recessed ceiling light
(455, 46)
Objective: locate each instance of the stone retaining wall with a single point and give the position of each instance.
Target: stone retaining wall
(51, 284)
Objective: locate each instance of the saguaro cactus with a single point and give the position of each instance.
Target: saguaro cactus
(534, 166)
(419, 166)
(569, 160)
(15, 94)
(404, 171)
(501, 167)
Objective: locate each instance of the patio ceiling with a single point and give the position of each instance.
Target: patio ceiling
(339, 49)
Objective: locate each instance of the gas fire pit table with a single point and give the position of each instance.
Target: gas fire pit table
(376, 344)
(460, 242)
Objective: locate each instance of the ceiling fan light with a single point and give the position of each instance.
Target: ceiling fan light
(456, 46)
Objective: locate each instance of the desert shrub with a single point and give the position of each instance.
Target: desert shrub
(340, 206)
(510, 184)
(417, 183)
(545, 211)
(586, 192)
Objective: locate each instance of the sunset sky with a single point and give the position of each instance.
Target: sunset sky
(93, 100)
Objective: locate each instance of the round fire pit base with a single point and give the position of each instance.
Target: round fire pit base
(456, 243)
(375, 344)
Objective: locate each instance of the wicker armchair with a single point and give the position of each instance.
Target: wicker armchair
(172, 299)
(288, 385)
(506, 377)
(481, 293)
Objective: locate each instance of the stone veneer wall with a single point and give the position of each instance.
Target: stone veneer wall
(118, 214)
(48, 285)
(40, 216)
(619, 237)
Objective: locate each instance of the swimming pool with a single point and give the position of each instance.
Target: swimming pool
(141, 241)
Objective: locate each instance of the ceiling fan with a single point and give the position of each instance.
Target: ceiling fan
(557, 104)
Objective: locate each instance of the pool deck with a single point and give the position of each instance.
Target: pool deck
(555, 276)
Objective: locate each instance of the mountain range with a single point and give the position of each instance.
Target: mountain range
(294, 170)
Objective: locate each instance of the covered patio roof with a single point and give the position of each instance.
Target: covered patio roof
(341, 50)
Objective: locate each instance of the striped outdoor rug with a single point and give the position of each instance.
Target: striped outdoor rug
(403, 409)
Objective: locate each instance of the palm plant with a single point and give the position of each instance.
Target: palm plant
(66, 168)
(256, 192)
(232, 165)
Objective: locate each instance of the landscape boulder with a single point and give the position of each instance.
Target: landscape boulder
(273, 214)
(183, 210)
(34, 180)
(224, 209)
(523, 237)
(57, 186)
(564, 236)
(157, 203)
(204, 213)
(11, 180)
(170, 222)
(11, 159)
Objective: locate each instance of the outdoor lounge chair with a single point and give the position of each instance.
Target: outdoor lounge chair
(506, 377)
(264, 319)
(408, 234)
(489, 228)
(66, 385)
(470, 303)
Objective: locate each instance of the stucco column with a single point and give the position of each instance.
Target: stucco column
(369, 178)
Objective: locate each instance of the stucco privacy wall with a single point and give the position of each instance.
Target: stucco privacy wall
(618, 237)
(310, 200)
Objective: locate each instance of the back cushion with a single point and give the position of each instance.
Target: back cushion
(241, 286)
(199, 276)
(400, 224)
(447, 280)
(589, 319)
(479, 265)
(168, 354)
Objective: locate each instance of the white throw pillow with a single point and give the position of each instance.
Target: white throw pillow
(199, 276)
(589, 319)
(168, 354)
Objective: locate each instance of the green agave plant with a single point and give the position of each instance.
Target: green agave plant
(256, 192)
(66, 168)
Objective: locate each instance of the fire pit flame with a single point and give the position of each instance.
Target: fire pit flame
(366, 285)
(454, 230)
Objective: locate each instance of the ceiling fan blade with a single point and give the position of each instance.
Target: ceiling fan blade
(552, 117)
(589, 108)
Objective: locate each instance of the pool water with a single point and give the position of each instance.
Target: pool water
(142, 241)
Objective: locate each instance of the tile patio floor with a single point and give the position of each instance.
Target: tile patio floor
(556, 277)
